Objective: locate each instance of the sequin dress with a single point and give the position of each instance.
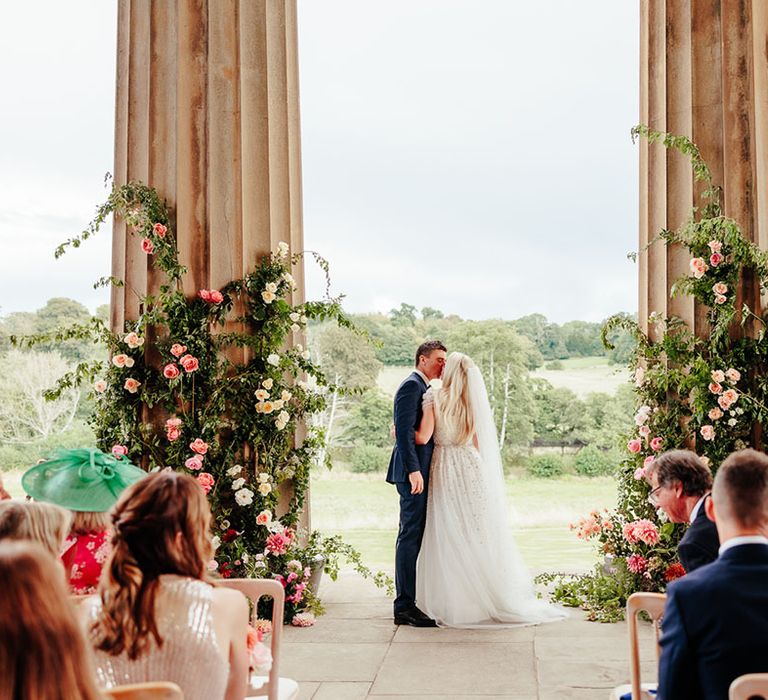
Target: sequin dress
(190, 655)
(469, 572)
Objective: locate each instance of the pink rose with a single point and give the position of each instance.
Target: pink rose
(131, 385)
(645, 431)
(720, 299)
(173, 422)
(707, 432)
(637, 564)
(656, 444)
(171, 371)
(160, 230)
(698, 267)
(189, 363)
(733, 375)
(216, 296)
(648, 461)
(177, 350)
(195, 463)
(206, 481)
(716, 388)
(147, 246)
(715, 259)
(720, 288)
(724, 403)
(639, 376)
(264, 518)
(173, 434)
(119, 450)
(634, 446)
(197, 445)
(205, 295)
(715, 246)
(277, 543)
(639, 474)
(715, 414)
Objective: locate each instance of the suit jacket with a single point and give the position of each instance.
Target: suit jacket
(700, 542)
(715, 626)
(407, 456)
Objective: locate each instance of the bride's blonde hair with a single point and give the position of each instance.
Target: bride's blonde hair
(453, 396)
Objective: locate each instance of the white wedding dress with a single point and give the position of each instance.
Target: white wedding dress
(469, 572)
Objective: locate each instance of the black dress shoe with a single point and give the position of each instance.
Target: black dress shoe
(414, 617)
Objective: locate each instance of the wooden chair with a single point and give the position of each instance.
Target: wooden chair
(748, 686)
(273, 686)
(653, 604)
(146, 691)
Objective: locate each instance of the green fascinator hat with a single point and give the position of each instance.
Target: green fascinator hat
(83, 479)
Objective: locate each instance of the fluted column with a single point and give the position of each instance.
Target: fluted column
(207, 113)
(703, 74)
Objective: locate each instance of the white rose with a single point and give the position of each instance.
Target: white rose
(271, 287)
(263, 476)
(306, 355)
(245, 557)
(215, 542)
(129, 362)
(288, 277)
(268, 297)
(264, 489)
(274, 359)
(285, 396)
(244, 497)
(732, 422)
(295, 327)
(224, 525)
(234, 471)
(282, 249)
(294, 317)
(267, 383)
(100, 386)
(238, 483)
(299, 347)
(303, 319)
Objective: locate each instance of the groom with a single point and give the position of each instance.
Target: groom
(409, 472)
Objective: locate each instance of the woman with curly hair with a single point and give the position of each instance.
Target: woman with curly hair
(159, 618)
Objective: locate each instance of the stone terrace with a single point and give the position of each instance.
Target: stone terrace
(355, 651)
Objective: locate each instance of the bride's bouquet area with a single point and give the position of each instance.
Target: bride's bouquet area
(704, 391)
(215, 385)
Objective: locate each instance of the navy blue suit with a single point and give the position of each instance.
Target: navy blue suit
(409, 457)
(700, 542)
(715, 626)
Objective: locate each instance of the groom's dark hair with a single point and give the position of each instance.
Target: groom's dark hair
(427, 348)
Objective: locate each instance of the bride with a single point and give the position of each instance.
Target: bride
(469, 573)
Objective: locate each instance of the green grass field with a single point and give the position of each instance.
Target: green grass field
(586, 375)
(364, 509)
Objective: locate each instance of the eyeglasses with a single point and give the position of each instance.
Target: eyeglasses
(653, 496)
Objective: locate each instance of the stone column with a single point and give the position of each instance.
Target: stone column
(703, 74)
(207, 112)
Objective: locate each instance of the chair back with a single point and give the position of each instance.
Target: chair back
(751, 685)
(254, 589)
(653, 604)
(159, 690)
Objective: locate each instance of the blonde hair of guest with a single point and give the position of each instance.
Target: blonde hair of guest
(32, 520)
(43, 653)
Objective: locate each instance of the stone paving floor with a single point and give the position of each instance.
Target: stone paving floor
(355, 651)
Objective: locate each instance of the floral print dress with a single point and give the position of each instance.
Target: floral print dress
(84, 556)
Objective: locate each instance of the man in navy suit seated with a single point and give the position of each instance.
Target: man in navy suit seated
(715, 625)
(409, 472)
(680, 486)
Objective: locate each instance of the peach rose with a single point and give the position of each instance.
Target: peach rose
(171, 371)
(733, 375)
(100, 386)
(177, 349)
(160, 230)
(189, 363)
(268, 297)
(147, 246)
(197, 445)
(715, 259)
(698, 267)
(131, 385)
(634, 446)
(264, 518)
(206, 481)
(715, 414)
(718, 376)
(267, 407)
(707, 432)
(122, 360)
(216, 296)
(723, 402)
(133, 341)
(731, 395)
(720, 288)
(716, 388)
(261, 394)
(720, 299)
(172, 434)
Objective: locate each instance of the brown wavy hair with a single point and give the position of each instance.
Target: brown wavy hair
(160, 526)
(43, 654)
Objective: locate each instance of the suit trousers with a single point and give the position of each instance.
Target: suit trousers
(413, 518)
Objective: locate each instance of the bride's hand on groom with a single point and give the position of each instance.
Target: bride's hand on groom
(417, 483)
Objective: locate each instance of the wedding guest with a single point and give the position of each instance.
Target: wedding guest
(43, 655)
(715, 625)
(88, 483)
(158, 617)
(680, 486)
(39, 522)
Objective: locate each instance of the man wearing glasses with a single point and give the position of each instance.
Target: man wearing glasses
(680, 484)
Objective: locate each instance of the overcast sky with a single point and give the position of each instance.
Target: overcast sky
(470, 155)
